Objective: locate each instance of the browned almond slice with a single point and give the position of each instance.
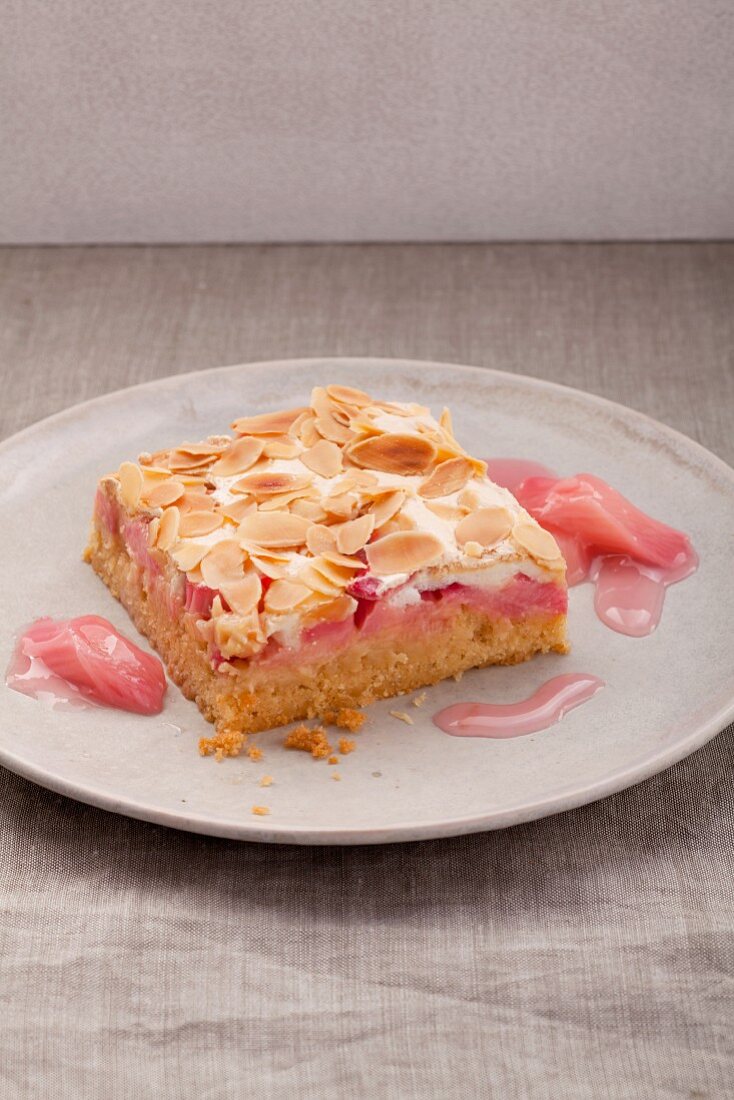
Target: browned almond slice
(181, 462)
(281, 448)
(349, 396)
(274, 529)
(187, 555)
(282, 596)
(272, 423)
(331, 611)
(153, 530)
(152, 475)
(195, 500)
(329, 427)
(130, 477)
(342, 505)
(223, 562)
(537, 541)
(363, 479)
(269, 483)
(324, 458)
(320, 538)
(280, 502)
(394, 408)
(196, 524)
(445, 421)
(403, 552)
(168, 530)
(394, 453)
(318, 582)
(487, 526)
(309, 433)
(386, 506)
(343, 561)
(273, 569)
(294, 432)
(353, 535)
(165, 493)
(335, 574)
(243, 595)
(473, 549)
(207, 448)
(445, 511)
(311, 509)
(447, 477)
(236, 510)
(239, 456)
(469, 499)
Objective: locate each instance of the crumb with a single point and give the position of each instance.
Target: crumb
(266, 781)
(313, 740)
(346, 746)
(402, 716)
(345, 719)
(419, 699)
(254, 753)
(336, 776)
(458, 676)
(333, 760)
(261, 811)
(223, 743)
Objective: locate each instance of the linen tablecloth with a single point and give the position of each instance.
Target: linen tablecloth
(586, 955)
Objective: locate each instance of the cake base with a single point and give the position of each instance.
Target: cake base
(252, 696)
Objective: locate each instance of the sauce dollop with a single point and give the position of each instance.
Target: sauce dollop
(544, 708)
(85, 662)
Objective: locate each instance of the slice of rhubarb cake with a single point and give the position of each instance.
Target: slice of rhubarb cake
(324, 557)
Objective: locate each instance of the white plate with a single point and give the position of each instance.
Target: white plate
(665, 696)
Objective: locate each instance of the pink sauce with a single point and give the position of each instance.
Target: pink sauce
(542, 709)
(85, 662)
(629, 556)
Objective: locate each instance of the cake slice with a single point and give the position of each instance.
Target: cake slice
(324, 557)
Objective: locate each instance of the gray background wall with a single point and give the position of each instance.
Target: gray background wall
(271, 120)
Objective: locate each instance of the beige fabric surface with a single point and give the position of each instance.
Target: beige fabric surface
(585, 956)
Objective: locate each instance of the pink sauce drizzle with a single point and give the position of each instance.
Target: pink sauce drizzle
(544, 708)
(85, 662)
(629, 556)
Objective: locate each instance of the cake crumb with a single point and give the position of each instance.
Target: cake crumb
(223, 743)
(261, 811)
(254, 753)
(266, 781)
(419, 699)
(346, 746)
(313, 740)
(336, 776)
(402, 716)
(345, 719)
(333, 760)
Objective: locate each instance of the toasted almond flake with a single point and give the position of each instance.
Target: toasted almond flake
(236, 510)
(187, 555)
(318, 582)
(445, 511)
(271, 423)
(403, 552)
(332, 611)
(181, 462)
(168, 530)
(487, 526)
(282, 596)
(448, 477)
(354, 534)
(349, 396)
(153, 527)
(269, 483)
(165, 493)
(308, 433)
(403, 717)
(281, 501)
(239, 456)
(294, 431)
(419, 699)
(324, 458)
(260, 811)
(395, 408)
(223, 563)
(336, 573)
(385, 507)
(342, 504)
(195, 501)
(244, 594)
(336, 777)
(320, 538)
(469, 499)
(207, 448)
(269, 568)
(345, 561)
(274, 529)
(266, 781)
(537, 541)
(152, 475)
(329, 427)
(311, 509)
(194, 575)
(445, 421)
(130, 477)
(196, 524)
(473, 549)
(393, 453)
(364, 479)
(281, 448)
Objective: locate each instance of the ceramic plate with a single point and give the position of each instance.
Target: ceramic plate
(666, 694)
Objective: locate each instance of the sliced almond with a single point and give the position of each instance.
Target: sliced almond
(318, 582)
(282, 596)
(332, 611)
(445, 511)
(222, 563)
(243, 595)
(448, 477)
(354, 534)
(196, 501)
(487, 526)
(394, 453)
(308, 432)
(272, 569)
(311, 509)
(280, 502)
(334, 573)
(329, 427)
(446, 422)
(196, 524)
(349, 396)
(403, 552)
(324, 458)
(168, 530)
(152, 475)
(130, 477)
(239, 456)
(320, 538)
(180, 461)
(343, 505)
(386, 506)
(236, 510)
(187, 555)
(281, 448)
(363, 479)
(538, 542)
(274, 529)
(165, 493)
(469, 499)
(344, 561)
(207, 448)
(153, 527)
(271, 423)
(473, 549)
(269, 483)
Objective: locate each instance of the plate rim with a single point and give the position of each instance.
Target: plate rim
(407, 831)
